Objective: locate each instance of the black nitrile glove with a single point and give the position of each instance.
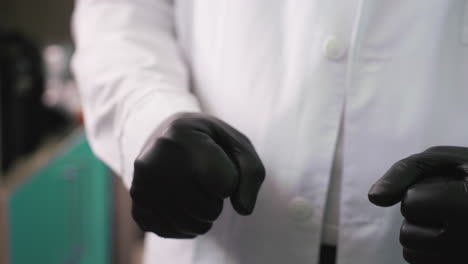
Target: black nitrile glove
(433, 189)
(190, 165)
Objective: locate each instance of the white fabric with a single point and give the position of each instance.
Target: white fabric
(332, 207)
(280, 72)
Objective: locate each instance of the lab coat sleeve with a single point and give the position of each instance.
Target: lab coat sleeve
(130, 74)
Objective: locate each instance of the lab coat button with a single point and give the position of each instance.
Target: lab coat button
(334, 49)
(300, 209)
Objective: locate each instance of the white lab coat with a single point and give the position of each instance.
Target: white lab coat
(284, 73)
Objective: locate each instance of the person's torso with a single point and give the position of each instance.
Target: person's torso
(283, 72)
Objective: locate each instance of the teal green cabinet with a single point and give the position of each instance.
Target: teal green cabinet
(61, 213)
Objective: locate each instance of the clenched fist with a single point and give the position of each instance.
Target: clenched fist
(193, 162)
(433, 189)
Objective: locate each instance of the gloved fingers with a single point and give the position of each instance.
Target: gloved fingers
(201, 207)
(425, 203)
(222, 159)
(250, 169)
(456, 152)
(209, 165)
(167, 203)
(251, 177)
(391, 188)
(187, 193)
(413, 256)
(150, 221)
(429, 245)
(433, 202)
(187, 197)
(154, 175)
(184, 223)
(419, 237)
(216, 173)
(172, 177)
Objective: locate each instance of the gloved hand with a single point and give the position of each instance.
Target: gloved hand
(191, 163)
(433, 189)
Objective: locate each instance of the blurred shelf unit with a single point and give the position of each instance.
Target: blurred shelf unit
(57, 206)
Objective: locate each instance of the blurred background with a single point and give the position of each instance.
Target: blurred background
(58, 203)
